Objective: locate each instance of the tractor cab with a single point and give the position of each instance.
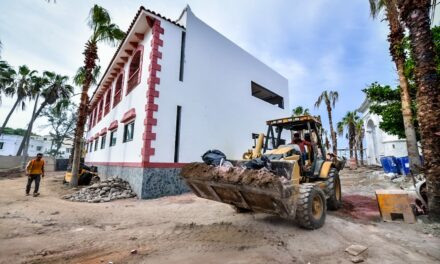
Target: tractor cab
(296, 138)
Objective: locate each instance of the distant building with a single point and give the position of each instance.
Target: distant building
(379, 143)
(9, 145)
(173, 90)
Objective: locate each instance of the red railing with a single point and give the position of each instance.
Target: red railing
(133, 81)
(117, 98)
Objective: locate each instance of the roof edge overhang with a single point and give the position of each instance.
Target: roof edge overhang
(141, 14)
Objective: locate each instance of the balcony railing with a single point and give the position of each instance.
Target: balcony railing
(117, 98)
(133, 80)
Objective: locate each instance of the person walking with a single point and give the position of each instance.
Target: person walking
(34, 171)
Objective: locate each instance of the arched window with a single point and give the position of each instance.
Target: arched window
(134, 71)
(118, 90)
(100, 110)
(108, 96)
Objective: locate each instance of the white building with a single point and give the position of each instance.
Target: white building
(9, 145)
(379, 143)
(173, 90)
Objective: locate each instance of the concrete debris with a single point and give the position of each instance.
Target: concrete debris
(134, 251)
(104, 191)
(355, 249)
(357, 260)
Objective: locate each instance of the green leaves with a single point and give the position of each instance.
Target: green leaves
(103, 29)
(299, 110)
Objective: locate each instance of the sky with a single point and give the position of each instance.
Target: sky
(317, 45)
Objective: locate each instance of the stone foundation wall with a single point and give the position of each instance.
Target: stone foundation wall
(147, 183)
(132, 175)
(162, 182)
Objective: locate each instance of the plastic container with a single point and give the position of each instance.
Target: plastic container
(403, 163)
(389, 164)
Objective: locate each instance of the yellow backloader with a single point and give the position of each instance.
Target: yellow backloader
(300, 184)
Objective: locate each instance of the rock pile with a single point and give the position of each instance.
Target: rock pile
(104, 191)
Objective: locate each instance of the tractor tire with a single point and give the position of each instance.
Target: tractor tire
(334, 202)
(240, 210)
(311, 207)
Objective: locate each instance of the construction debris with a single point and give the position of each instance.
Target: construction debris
(235, 175)
(357, 260)
(104, 191)
(355, 250)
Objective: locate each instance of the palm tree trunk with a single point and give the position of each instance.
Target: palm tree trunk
(415, 15)
(9, 115)
(24, 145)
(361, 147)
(91, 54)
(332, 132)
(395, 38)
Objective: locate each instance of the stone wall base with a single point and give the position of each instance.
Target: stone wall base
(147, 183)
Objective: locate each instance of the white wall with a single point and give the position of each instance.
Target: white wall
(11, 143)
(384, 144)
(128, 151)
(218, 110)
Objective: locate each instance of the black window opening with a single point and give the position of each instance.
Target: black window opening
(96, 144)
(113, 138)
(103, 141)
(267, 95)
(128, 132)
(182, 55)
(177, 137)
(1, 145)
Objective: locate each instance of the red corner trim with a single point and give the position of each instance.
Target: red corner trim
(152, 93)
(103, 131)
(129, 115)
(113, 125)
(96, 136)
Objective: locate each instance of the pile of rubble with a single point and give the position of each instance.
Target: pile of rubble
(104, 191)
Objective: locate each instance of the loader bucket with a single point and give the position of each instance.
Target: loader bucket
(257, 190)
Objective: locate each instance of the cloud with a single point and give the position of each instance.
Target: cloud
(316, 45)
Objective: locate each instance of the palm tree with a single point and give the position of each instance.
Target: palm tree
(20, 86)
(7, 74)
(80, 76)
(52, 87)
(395, 38)
(299, 110)
(415, 15)
(360, 133)
(330, 98)
(349, 121)
(103, 30)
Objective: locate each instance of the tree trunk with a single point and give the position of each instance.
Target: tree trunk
(91, 54)
(351, 139)
(361, 149)
(9, 116)
(395, 38)
(415, 14)
(332, 132)
(27, 135)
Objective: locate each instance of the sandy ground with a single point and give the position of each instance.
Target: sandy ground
(187, 229)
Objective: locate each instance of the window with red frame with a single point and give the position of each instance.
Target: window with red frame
(107, 101)
(134, 71)
(90, 120)
(118, 90)
(94, 117)
(100, 110)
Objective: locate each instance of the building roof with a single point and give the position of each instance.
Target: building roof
(141, 10)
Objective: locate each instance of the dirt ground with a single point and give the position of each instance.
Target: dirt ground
(187, 229)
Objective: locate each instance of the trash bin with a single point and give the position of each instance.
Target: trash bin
(403, 164)
(389, 164)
